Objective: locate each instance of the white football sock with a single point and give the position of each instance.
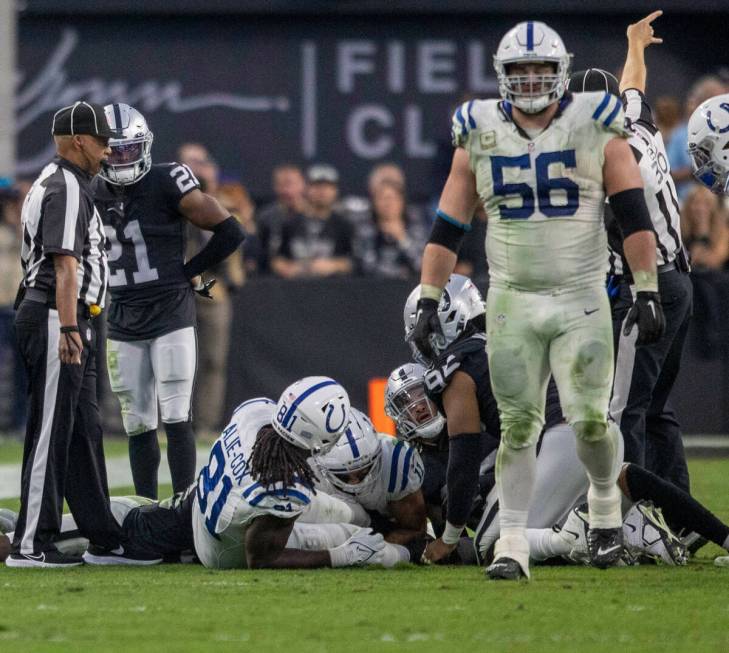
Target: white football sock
(545, 543)
(515, 476)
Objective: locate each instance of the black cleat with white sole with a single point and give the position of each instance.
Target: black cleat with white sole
(605, 546)
(52, 559)
(505, 569)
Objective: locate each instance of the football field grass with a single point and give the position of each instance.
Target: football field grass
(187, 608)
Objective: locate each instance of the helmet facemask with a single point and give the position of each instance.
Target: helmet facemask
(532, 92)
(706, 170)
(129, 161)
(414, 413)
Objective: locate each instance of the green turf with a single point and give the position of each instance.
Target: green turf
(11, 449)
(185, 608)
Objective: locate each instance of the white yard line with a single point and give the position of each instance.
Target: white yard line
(117, 470)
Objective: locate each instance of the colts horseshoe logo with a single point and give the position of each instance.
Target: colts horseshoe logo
(712, 126)
(330, 411)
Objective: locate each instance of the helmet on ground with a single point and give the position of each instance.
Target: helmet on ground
(131, 146)
(407, 403)
(312, 413)
(353, 464)
(532, 42)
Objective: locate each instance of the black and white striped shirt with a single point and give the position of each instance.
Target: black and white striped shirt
(660, 192)
(59, 217)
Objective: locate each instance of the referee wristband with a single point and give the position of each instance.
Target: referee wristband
(70, 329)
(451, 534)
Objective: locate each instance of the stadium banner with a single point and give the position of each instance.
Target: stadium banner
(352, 91)
(352, 330)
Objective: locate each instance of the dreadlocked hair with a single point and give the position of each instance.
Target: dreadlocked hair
(274, 460)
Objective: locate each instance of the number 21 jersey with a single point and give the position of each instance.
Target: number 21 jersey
(146, 241)
(543, 192)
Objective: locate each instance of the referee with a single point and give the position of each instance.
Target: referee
(645, 374)
(63, 288)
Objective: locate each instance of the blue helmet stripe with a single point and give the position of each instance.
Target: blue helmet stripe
(406, 469)
(393, 467)
(289, 414)
(530, 35)
(601, 107)
(461, 119)
(352, 443)
(612, 114)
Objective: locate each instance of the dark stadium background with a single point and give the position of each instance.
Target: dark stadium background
(263, 82)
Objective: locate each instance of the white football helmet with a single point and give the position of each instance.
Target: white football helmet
(461, 302)
(708, 143)
(131, 148)
(358, 452)
(406, 402)
(312, 413)
(532, 42)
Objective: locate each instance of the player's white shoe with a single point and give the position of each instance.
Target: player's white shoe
(8, 520)
(648, 535)
(574, 532)
(360, 549)
(511, 559)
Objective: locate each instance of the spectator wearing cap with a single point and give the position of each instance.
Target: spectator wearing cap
(317, 243)
(63, 288)
(289, 188)
(395, 249)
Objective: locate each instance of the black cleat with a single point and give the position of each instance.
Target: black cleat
(96, 555)
(52, 559)
(505, 569)
(605, 546)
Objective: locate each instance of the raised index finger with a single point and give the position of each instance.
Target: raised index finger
(651, 17)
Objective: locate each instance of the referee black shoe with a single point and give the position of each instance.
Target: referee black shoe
(52, 559)
(605, 546)
(97, 555)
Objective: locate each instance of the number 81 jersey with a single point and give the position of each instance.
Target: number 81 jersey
(543, 192)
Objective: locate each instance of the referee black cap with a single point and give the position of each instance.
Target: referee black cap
(593, 79)
(81, 118)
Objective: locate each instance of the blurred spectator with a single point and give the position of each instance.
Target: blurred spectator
(289, 188)
(317, 243)
(676, 148)
(12, 372)
(235, 198)
(472, 255)
(396, 247)
(667, 114)
(704, 229)
(197, 157)
(214, 316)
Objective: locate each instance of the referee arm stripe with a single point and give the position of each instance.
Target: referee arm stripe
(72, 211)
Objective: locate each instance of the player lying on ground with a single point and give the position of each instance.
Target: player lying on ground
(541, 161)
(561, 487)
(383, 476)
(243, 510)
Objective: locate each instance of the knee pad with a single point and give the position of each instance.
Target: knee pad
(520, 434)
(590, 431)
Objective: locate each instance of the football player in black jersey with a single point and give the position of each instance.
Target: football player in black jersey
(151, 346)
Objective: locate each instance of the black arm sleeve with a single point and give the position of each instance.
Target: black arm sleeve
(227, 235)
(448, 232)
(464, 462)
(631, 211)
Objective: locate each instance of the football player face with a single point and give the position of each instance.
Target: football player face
(355, 477)
(531, 76)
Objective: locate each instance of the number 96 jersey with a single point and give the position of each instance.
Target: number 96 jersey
(228, 499)
(543, 192)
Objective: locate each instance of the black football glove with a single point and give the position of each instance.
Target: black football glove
(647, 313)
(204, 287)
(427, 335)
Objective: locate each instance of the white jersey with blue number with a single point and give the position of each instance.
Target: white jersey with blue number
(400, 473)
(543, 193)
(226, 493)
